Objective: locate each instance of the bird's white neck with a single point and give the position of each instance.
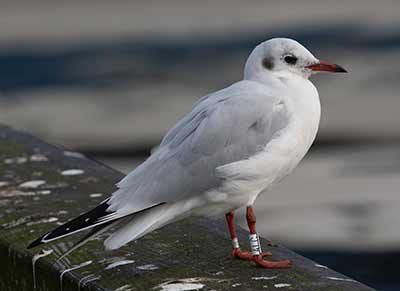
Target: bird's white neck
(302, 97)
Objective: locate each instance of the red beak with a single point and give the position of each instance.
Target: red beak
(326, 67)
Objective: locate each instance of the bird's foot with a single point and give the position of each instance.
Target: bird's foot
(258, 259)
(247, 256)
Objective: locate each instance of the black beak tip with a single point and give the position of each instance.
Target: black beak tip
(340, 69)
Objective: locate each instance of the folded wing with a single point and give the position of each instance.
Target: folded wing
(227, 126)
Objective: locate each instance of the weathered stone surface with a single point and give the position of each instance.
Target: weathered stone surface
(192, 253)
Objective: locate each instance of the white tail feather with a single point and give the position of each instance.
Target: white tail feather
(143, 223)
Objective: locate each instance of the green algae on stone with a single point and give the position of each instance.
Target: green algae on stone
(192, 250)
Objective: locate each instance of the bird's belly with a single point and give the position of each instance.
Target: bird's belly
(285, 155)
(252, 176)
(257, 175)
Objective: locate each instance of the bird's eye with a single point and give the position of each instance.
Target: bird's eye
(291, 60)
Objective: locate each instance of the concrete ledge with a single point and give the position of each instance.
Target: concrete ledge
(42, 186)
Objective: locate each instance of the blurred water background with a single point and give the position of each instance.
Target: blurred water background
(110, 77)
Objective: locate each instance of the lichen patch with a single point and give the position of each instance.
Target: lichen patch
(73, 154)
(148, 267)
(4, 184)
(321, 266)
(72, 172)
(32, 184)
(16, 160)
(38, 158)
(119, 263)
(341, 279)
(181, 285)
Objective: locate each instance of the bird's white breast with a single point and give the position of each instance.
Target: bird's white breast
(283, 153)
(291, 146)
(303, 102)
(250, 177)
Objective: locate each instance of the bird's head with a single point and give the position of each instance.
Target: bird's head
(283, 56)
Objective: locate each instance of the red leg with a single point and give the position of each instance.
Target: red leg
(257, 258)
(230, 216)
(236, 252)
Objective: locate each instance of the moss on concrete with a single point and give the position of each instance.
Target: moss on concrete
(194, 250)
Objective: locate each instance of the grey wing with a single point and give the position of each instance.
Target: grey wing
(222, 128)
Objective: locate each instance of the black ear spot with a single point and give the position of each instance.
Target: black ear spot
(268, 63)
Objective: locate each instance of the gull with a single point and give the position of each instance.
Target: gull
(233, 145)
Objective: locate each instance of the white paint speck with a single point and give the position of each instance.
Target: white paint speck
(52, 219)
(91, 280)
(321, 266)
(35, 259)
(3, 184)
(17, 160)
(264, 278)
(15, 193)
(181, 285)
(149, 267)
(38, 158)
(123, 288)
(119, 263)
(43, 192)
(88, 277)
(44, 220)
(32, 184)
(341, 279)
(282, 285)
(73, 154)
(95, 195)
(236, 285)
(72, 172)
(17, 222)
(84, 264)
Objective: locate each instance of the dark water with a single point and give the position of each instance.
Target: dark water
(28, 68)
(377, 270)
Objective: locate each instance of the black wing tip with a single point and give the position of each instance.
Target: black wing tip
(35, 243)
(79, 223)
